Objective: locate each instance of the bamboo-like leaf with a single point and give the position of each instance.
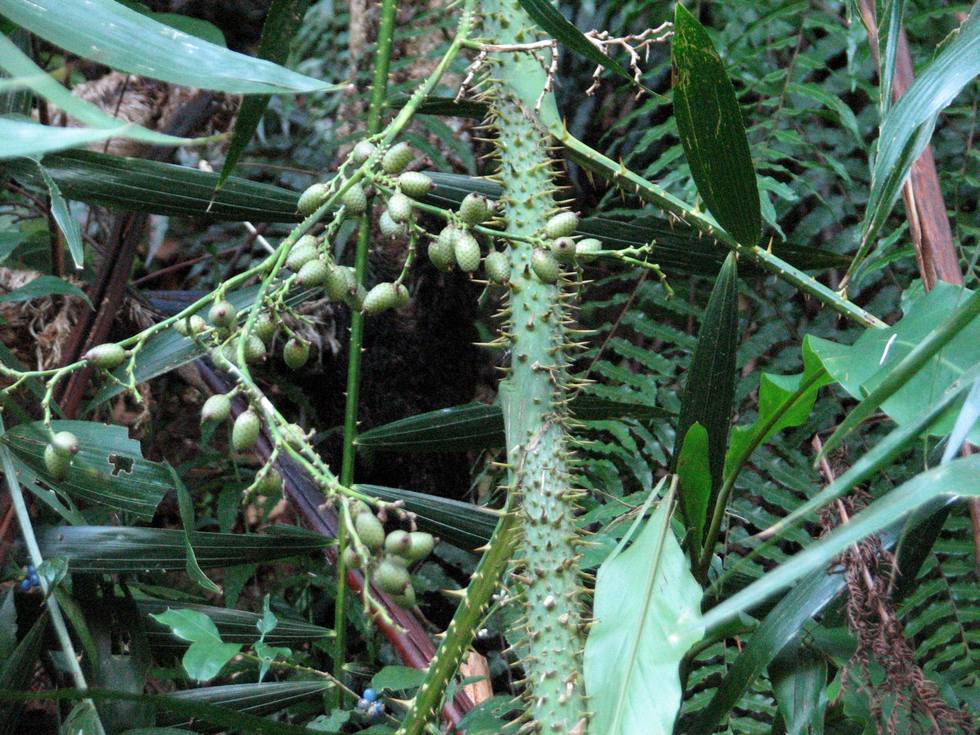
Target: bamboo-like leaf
(694, 473)
(799, 681)
(552, 22)
(207, 654)
(17, 671)
(44, 286)
(710, 125)
(907, 128)
(185, 504)
(647, 614)
(904, 368)
(282, 20)
(109, 468)
(111, 549)
(462, 524)
(710, 388)
(956, 478)
(112, 34)
(66, 223)
(889, 30)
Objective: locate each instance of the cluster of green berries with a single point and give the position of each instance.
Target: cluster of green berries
(391, 554)
(562, 247)
(59, 452)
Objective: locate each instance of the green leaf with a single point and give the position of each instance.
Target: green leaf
(889, 31)
(397, 678)
(799, 681)
(956, 478)
(908, 125)
(202, 29)
(112, 549)
(207, 654)
(21, 138)
(109, 468)
(16, 63)
(693, 469)
(66, 223)
(479, 426)
(17, 670)
(123, 39)
(906, 367)
(710, 388)
(44, 286)
(552, 22)
(282, 20)
(647, 615)
(185, 503)
(711, 130)
(462, 524)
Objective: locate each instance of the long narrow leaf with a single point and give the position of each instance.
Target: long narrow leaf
(112, 34)
(68, 225)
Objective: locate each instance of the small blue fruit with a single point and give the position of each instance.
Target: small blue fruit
(25, 585)
(370, 695)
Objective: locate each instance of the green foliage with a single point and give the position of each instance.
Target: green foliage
(207, 654)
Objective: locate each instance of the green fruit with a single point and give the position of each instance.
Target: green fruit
(398, 542)
(397, 158)
(254, 349)
(314, 273)
(355, 300)
(295, 436)
(296, 353)
(65, 443)
(300, 255)
(265, 327)
(441, 250)
(363, 151)
(223, 314)
(497, 266)
(563, 248)
(382, 297)
(392, 578)
(415, 184)
(351, 559)
(354, 199)
(585, 249)
(245, 431)
(55, 462)
(406, 599)
(196, 325)
(340, 282)
(561, 225)
(312, 198)
(106, 355)
(474, 208)
(401, 295)
(389, 228)
(399, 207)
(399, 560)
(216, 408)
(357, 507)
(270, 483)
(467, 252)
(545, 266)
(420, 545)
(369, 530)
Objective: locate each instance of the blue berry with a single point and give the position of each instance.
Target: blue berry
(363, 704)
(35, 580)
(25, 585)
(370, 695)
(376, 710)
(31, 569)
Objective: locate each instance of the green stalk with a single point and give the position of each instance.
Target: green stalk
(386, 33)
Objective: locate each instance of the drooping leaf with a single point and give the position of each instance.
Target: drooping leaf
(111, 549)
(908, 125)
(207, 654)
(185, 504)
(44, 286)
(712, 132)
(66, 223)
(282, 20)
(709, 392)
(647, 615)
(114, 35)
(109, 468)
(940, 328)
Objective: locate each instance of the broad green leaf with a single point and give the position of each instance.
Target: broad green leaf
(66, 223)
(44, 286)
(647, 615)
(462, 524)
(956, 478)
(207, 654)
(694, 471)
(114, 35)
(905, 368)
(785, 401)
(282, 20)
(109, 468)
(908, 125)
(17, 670)
(799, 681)
(710, 125)
(16, 63)
(397, 678)
(710, 388)
(479, 426)
(112, 549)
(552, 22)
